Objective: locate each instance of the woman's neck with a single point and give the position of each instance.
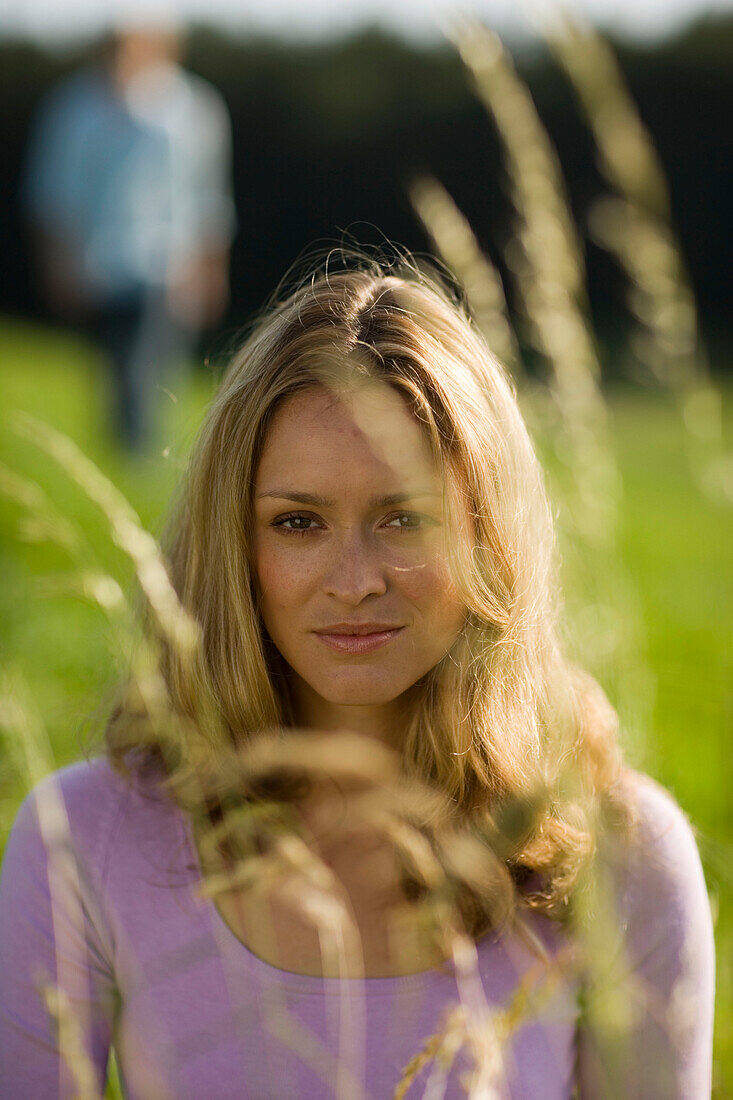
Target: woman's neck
(384, 722)
(278, 921)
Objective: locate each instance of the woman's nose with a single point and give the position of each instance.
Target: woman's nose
(356, 571)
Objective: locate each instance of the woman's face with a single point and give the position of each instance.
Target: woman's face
(351, 549)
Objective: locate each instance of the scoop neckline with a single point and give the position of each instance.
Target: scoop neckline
(313, 983)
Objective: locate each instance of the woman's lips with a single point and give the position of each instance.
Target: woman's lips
(358, 643)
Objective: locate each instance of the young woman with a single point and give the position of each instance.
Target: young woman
(441, 840)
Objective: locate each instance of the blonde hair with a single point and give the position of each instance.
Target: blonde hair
(521, 743)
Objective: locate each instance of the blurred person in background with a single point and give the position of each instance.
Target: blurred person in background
(128, 195)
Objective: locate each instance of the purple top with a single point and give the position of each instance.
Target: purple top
(112, 919)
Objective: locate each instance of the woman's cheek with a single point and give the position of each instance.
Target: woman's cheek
(424, 583)
(285, 578)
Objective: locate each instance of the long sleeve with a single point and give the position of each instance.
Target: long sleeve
(53, 188)
(212, 185)
(648, 1024)
(57, 992)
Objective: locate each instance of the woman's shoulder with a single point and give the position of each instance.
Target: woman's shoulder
(91, 808)
(650, 963)
(88, 784)
(663, 847)
(666, 923)
(85, 792)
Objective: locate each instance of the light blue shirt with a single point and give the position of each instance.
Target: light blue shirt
(135, 182)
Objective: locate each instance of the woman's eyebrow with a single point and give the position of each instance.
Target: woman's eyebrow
(325, 502)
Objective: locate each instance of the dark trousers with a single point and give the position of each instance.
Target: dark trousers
(142, 342)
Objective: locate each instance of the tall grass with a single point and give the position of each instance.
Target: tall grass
(635, 224)
(546, 260)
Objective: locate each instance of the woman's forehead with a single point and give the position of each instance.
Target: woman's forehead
(365, 437)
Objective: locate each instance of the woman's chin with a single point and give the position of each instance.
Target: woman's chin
(359, 691)
(361, 698)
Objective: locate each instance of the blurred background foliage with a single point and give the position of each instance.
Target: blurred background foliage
(327, 139)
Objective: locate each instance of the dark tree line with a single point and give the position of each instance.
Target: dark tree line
(327, 137)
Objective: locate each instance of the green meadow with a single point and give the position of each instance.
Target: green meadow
(675, 551)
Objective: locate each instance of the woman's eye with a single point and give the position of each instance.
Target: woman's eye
(296, 522)
(406, 521)
(301, 522)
